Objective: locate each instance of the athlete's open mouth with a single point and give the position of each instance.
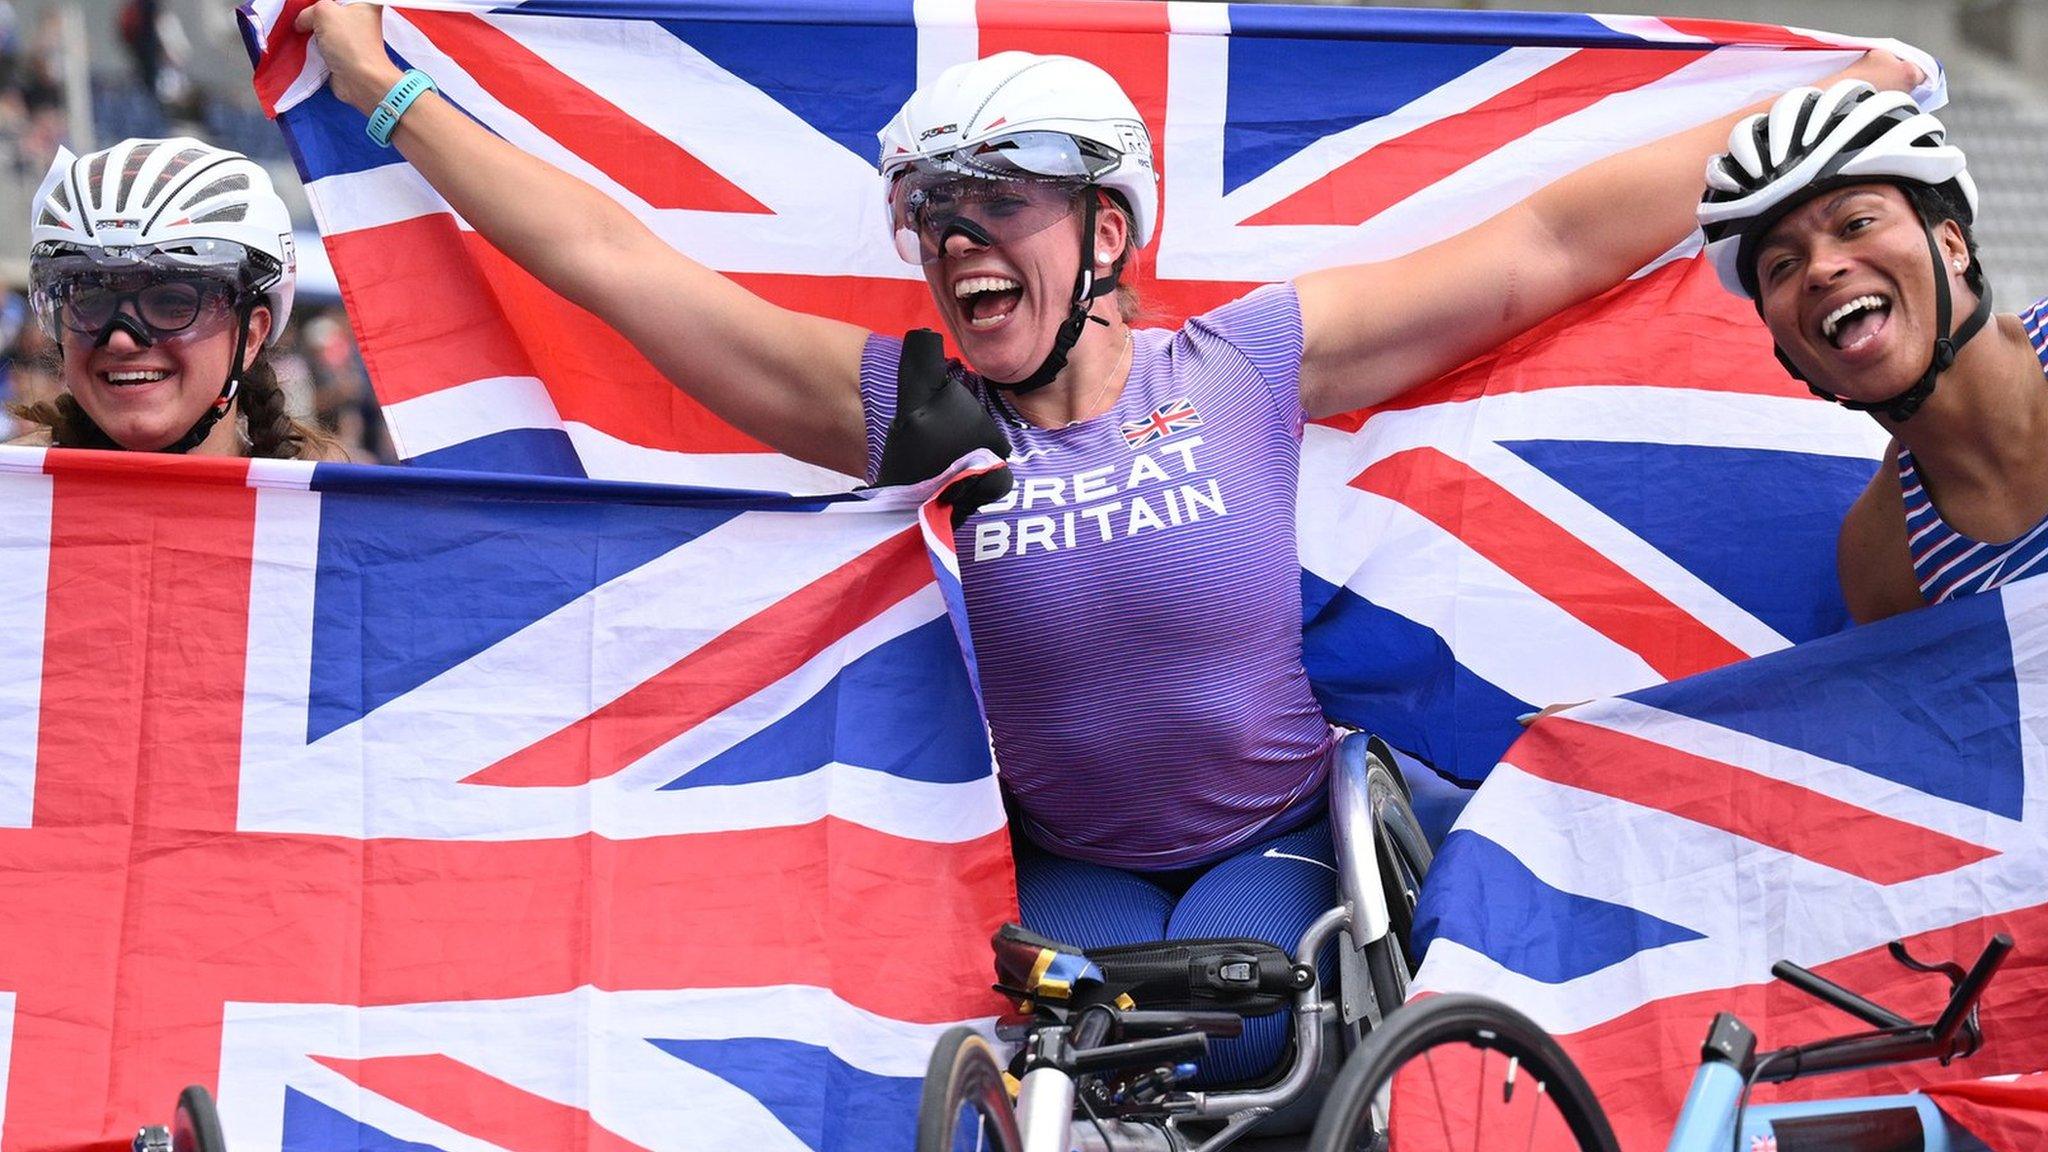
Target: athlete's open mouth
(988, 300)
(1855, 322)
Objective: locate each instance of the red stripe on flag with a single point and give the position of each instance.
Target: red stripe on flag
(426, 309)
(1557, 565)
(1055, 25)
(1396, 169)
(1674, 327)
(436, 306)
(2008, 1116)
(148, 469)
(641, 160)
(830, 904)
(284, 56)
(1741, 33)
(736, 664)
(478, 1105)
(1788, 817)
(148, 601)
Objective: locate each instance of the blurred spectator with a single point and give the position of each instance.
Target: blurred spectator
(32, 120)
(158, 48)
(28, 361)
(342, 398)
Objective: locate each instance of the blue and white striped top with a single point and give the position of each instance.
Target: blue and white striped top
(1949, 564)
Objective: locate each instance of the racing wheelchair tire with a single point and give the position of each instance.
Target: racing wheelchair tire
(195, 1126)
(963, 1080)
(1404, 858)
(1348, 1120)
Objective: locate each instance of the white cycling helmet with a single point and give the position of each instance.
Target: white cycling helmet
(1811, 142)
(1024, 117)
(177, 202)
(979, 115)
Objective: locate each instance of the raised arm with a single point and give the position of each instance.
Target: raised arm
(1372, 331)
(788, 379)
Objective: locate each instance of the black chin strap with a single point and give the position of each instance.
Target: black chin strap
(1901, 407)
(1086, 289)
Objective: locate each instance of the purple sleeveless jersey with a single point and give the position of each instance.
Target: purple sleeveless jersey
(1136, 601)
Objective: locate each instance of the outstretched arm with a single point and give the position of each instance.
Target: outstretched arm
(788, 379)
(1372, 331)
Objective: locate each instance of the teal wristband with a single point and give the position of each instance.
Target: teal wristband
(384, 120)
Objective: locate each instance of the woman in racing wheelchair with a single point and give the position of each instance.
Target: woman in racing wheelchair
(1135, 603)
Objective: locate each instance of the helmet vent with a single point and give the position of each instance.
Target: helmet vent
(49, 219)
(130, 168)
(225, 214)
(222, 186)
(61, 197)
(97, 172)
(177, 164)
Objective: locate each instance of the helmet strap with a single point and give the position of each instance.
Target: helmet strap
(1086, 288)
(228, 391)
(1901, 407)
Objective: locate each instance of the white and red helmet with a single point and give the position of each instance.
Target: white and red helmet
(1022, 115)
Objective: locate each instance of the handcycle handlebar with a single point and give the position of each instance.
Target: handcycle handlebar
(1178, 1049)
(1828, 992)
(1964, 1002)
(1153, 1022)
(1894, 1043)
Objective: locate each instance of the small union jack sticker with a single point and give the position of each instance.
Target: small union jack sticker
(1172, 417)
(1763, 1144)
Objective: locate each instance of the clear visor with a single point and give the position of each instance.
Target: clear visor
(933, 202)
(80, 291)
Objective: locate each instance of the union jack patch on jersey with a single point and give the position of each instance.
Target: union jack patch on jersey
(1174, 416)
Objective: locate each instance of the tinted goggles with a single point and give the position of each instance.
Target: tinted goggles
(929, 205)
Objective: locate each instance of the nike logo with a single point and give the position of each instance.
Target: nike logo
(1276, 854)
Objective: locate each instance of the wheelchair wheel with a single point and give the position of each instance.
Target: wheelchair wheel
(1404, 858)
(1460, 1071)
(195, 1127)
(964, 1106)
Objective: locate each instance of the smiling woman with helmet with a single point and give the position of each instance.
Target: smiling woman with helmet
(1845, 216)
(162, 269)
(1135, 604)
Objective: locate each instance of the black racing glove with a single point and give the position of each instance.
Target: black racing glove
(937, 422)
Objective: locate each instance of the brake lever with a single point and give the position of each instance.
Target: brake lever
(1948, 968)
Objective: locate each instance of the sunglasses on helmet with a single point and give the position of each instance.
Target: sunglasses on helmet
(1041, 155)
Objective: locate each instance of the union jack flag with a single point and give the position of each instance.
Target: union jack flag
(420, 810)
(1576, 516)
(1168, 419)
(1636, 865)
